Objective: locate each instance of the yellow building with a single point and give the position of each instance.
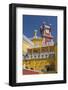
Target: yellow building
(26, 44)
(35, 51)
(37, 57)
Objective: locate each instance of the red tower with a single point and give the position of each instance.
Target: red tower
(45, 30)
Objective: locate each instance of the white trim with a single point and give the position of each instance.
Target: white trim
(28, 40)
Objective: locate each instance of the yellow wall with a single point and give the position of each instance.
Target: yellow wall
(37, 42)
(25, 46)
(36, 64)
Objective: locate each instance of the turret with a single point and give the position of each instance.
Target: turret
(45, 30)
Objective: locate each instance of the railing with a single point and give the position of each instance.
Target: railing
(41, 49)
(39, 56)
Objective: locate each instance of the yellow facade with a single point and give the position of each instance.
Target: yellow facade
(37, 42)
(39, 64)
(25, 46)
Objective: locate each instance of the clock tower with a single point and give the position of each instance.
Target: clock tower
(45, 30)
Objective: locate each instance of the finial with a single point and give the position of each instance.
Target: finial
(35, 33)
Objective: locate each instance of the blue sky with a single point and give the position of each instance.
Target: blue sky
(33, 22)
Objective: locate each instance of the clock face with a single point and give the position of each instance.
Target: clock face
(47, 31)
